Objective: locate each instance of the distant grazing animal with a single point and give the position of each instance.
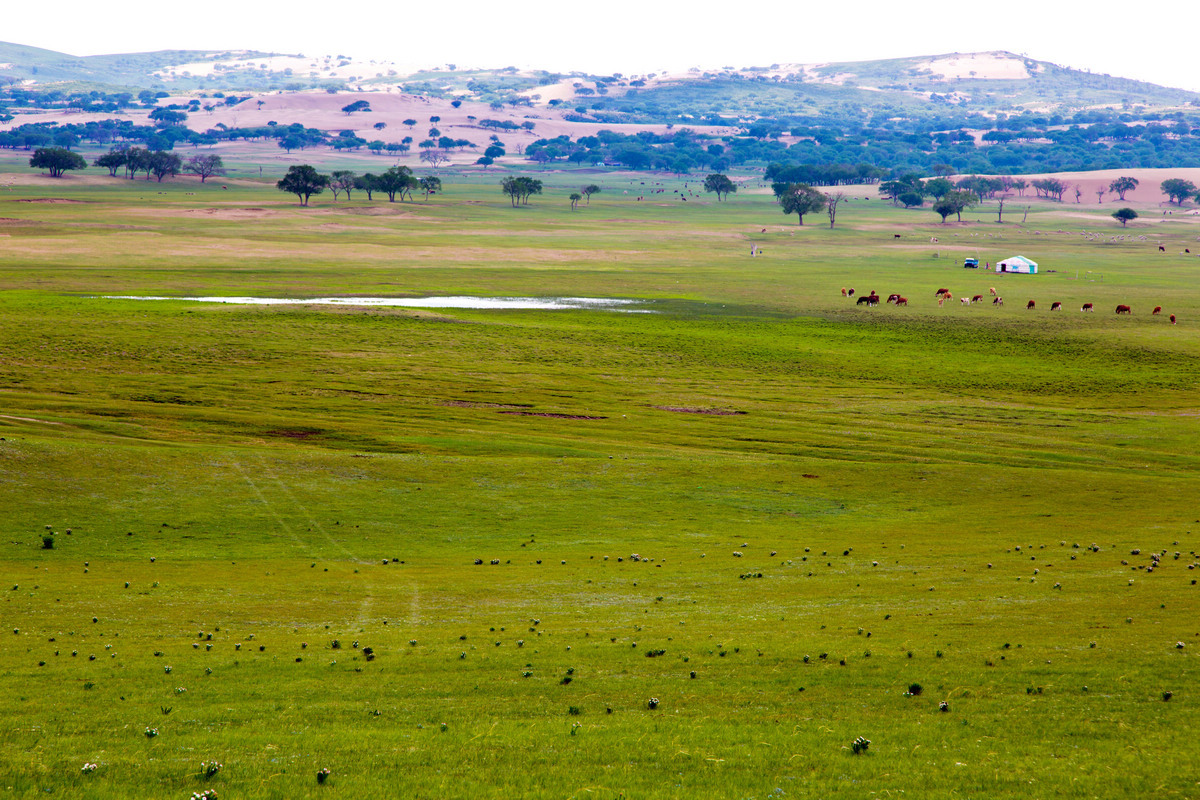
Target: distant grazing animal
(850, 293)
(764, 230)
(1031, 304)
(843, 291)
(903, 301)
(892, 298)
(866, 298)
(1162, 249)
(966, 301)
(1172, 319)
(941, 292)
(1056, 306)
(1087, 307)
(993, 291)
(933, 240)
(895, 236)
(1157, 310)
(999, 301)
(1123, 309)
(977, 298)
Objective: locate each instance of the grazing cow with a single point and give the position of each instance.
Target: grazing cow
(993, 291)
(1056, 306)
(1086, 307)
(1172, 319)
(933, 240)
(977, 298)
(1124, 309)
(892, 298)
(764, 230)
(1162, 249)
(843, 291)
(850, 292)
(999, 301)
(1031, 304)
(941, 292)
(903, 301)
(966, 301)
(866, 298)
(1157, 310)
(895, 236)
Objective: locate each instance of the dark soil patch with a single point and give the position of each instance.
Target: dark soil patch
(50, 200)
(552, 416)
(469, 404)
(295, 433)
(717, 412)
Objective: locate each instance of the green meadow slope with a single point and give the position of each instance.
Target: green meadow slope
(783, 520)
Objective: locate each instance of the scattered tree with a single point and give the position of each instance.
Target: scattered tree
(164, 164)
(395, 181)
(720, 185)
(911, 199)
(435, 157)
(113, 160)
(520, 189)
(1122, 185)
(429, 185)
(205, 166)
(57, 159)
(831, 203)
(303, 181)
(357, 105)
(1124, 215)
(341, 180)
(1178, 189)
(798, 199)
(588, 191)
(575, 198)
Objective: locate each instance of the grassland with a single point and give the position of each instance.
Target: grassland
(949, 497)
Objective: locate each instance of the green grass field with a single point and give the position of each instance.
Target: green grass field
(964, 498)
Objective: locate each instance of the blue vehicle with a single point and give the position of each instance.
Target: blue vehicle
(971, 263)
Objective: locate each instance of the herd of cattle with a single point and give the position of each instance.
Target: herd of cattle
(944, 295)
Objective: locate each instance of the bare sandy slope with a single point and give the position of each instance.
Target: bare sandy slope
(322, 110)
(1147, 194)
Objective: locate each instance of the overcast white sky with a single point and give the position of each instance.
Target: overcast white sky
(1153, 41)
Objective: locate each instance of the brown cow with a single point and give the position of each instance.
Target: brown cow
(1056, 306)
(843, 291)
(903, 301)
(999, 301)
(1124, 309)
(993, 291)
(1172, 319)
(940, 292)
(1157, 310)
(1031, 304)
(892, 298)
(977, 298)
(850, 292)
(1086, 307)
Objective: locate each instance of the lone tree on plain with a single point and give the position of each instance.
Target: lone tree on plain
(304, 181)
(720, 185)
(357, 105)
(1122, 185)
(202, 166)
(1124, 215)
(1177, 189)
(57, 159)
(587, 191)
(798, 199)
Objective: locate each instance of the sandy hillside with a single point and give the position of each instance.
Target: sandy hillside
(1147, 194)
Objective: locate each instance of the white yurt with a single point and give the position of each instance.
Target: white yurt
(1019, 264)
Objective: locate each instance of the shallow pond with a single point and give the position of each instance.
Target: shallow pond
(544, 303)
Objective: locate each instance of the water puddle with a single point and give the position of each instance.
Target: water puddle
(542, 303)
